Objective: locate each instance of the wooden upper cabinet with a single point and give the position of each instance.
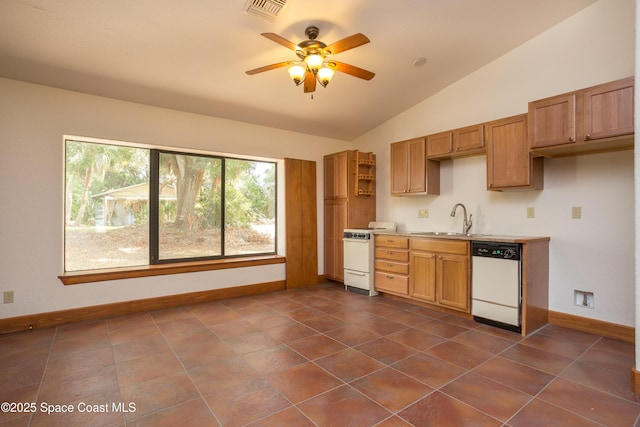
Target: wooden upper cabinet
(552, 121)
(336, 185)
(461, 142)
(608, 110)
(510, 166)
(595, 119)
(411, 172)
(440, 144)
(469, 140)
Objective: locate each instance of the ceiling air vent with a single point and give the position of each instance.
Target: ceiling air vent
(264, 9)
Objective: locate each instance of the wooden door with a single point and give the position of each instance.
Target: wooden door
(439, 144)
(340, 210)
(329, 177)
(470, 138)
(398, 167)
(417, 180)
(608, 110)
(329, 241)
(452, 280)
(509, 164)
(301, 223)
(422, 269)
(552, 121)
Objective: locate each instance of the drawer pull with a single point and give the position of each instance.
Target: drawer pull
(389, 253)
(390, 277)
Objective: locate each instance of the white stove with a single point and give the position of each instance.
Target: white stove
(359, 257)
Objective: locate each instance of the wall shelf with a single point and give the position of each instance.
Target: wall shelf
(365, 171)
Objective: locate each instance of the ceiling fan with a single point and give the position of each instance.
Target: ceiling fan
(314, 63)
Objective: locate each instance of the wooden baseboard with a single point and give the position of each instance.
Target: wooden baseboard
(592, 326)
(54, 318)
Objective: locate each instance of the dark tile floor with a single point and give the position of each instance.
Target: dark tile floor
(319, 356)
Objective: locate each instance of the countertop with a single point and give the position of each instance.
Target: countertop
(459, 236)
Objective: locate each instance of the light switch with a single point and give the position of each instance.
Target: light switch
(576, 212)
(531, 212)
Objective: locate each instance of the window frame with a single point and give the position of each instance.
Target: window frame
(156, 266)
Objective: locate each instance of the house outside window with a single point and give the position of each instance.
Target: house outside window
(128, 206)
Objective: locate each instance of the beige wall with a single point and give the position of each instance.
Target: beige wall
(33, 120)
(593, 254)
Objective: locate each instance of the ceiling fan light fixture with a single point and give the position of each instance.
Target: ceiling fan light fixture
(297, 73)
(325, 74)
(314, 62)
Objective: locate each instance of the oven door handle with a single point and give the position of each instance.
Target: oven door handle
(356, 240)
(354, 273)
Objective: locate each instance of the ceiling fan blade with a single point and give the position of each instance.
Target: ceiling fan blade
(281, 41)
(347, 43)
(351, 70)
(269, 67)
(309, 82)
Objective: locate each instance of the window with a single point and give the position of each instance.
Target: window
(128, 206)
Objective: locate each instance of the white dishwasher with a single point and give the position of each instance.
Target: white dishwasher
(496, 284)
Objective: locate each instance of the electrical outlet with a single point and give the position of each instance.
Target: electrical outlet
(7, 297)
(583, 299)
(531, 212)
(423, 213)
(576, 212)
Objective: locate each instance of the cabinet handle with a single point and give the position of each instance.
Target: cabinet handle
(571, 139)
(587, 137)
(389, 253)
(389, 264)
(390, 277)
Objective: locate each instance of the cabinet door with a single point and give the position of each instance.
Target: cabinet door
(439, 144)
(329, 241)
(417, 166)
(339, 223)
(423, 276)
(608, 110)
(453, 281)
(552, 121)
(335, 221)
(335, 176)
(509, 164)
(399, 165)
(470, 138)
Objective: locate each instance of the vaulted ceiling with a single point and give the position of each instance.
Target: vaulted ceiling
(192, 55)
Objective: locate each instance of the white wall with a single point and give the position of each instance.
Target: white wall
(33, 120)
(595, 253)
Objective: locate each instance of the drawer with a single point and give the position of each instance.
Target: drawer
(392, 254)
(392, 241)
(393, 283)
(460, 247)
(392, 267)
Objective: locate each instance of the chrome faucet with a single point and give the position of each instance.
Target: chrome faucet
(466, 225)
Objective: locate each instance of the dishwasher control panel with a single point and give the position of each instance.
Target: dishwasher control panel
(496, 250)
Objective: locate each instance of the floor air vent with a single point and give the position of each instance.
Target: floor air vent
(264, 9)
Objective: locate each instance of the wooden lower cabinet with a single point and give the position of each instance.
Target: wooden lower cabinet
(392, 264)
(436, 271)
(335, 221)
(423, 276)
(439, 273)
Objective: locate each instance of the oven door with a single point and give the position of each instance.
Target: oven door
(358, 254)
